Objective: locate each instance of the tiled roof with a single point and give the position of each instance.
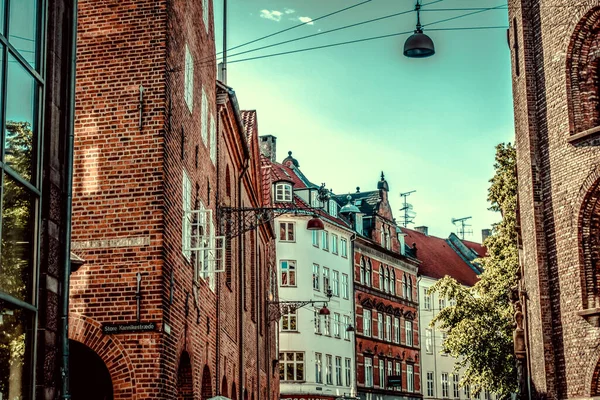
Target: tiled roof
(476, 247)
(281, 172)
(438, 258)
(266, 171)
(249, 121)
(367, 202)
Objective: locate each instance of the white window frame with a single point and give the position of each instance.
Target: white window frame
(329, 369)
(441, 304)
(317, 321)
(286, 233)
(213, 140)
(326, 282)
(291, 271)
(344, 247)
(426, 299)
(336, 325)
(345, 286)
(333, 208)
(338, 371)
(283, 192)
(315, 238)
(399, 374)
(318, 368)
(388, 328)
(326, 325)
(397, 330)
(345, 327)
(316, 277)
(359, 223)
(467, 391)
(430, 384)
(368, 372)
(455, 387)
(334, 243)
(410, 378)
(288, 316)
(429, 341)
(408, 332)
(380, 325)
(188, 91)
(381, 373)
(204, 117)
(367, 331)
(325, 239)
(285, 364)
(186, 237)
(348, 365)
(393, 281)
(335, 280)
(445, 385)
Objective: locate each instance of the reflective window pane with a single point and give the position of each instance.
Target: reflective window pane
(2, 15)
(21, 129)
(15, 345)
(16, 250)
(22, 26)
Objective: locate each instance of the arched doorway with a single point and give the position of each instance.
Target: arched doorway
(233, 392)
(185, 378)
(224, 387)
(206, 383)
(89, 378)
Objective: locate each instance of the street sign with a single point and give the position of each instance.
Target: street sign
(394, 381)
(136, 327)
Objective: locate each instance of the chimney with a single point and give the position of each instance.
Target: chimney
(423, 229)
(485, 233)
(268, 147)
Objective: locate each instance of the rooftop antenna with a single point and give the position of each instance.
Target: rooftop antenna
(409, 214)
(462, 228)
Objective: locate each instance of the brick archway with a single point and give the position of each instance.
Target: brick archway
(224, 388)
(207, 392)
(185, 378)
(88, 332)
(589, 240)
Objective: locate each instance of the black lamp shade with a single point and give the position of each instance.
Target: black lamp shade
(419, 45)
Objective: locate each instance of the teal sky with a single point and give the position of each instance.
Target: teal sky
(349, 112)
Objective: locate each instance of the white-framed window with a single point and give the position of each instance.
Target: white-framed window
(442, 304)
(396, 330)
(204, 117)
(325, 240)
(205, 12)
(399, 374)
(317, 319)
(382, 238)
(334, 243)
(363, 272)
(314, 201)
(456, 390)
(348, 365)
(428, 341)
(345, 327)
(445, 385)
(187, 206)
(410, 378)
(393, 282)
(380, 325)
(345, 287)
(336, 325)
(188, 91)
(288, 272)
(367, 322)
(333, 208)
(326, 283)
(404, 286)
(318, 367)
(283, 192)
(390, 369)
(335, 283)
(388, 328)
(426, 299)
(359, 223)
(316, 277)
(329, 369)
(315, 238)
(388, 239)
(338, 371)
(381, 373)
(213, 140)
(289, 320)
(467, 390)
(381, 286)
(368, 372)
(408, 330)
(344, 247)
(327, 325)
(430, 384)
(287, 231)
(291, 366)
(452, 302)
(387, 280)
(444, 337)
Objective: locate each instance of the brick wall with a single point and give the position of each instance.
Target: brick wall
(554, 177)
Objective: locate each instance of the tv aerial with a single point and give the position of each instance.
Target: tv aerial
(462, 227)
(409, 214)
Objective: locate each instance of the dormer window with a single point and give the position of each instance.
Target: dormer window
(359, 223)
(333, 208)
(283, 192)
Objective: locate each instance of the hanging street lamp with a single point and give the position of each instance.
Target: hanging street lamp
(419, 45)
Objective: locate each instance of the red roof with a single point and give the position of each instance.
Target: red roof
(438, 259)
(282, 172)
(476, 247)
(249, 120)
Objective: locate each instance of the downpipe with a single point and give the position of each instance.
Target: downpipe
(241, 281)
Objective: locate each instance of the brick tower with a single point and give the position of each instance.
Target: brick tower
(160, 146)
(555, 46)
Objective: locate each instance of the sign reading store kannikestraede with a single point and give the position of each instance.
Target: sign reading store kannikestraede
(135, 327)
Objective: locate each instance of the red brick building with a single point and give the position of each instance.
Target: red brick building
(171, 300)
(555, 85)
(386, 302)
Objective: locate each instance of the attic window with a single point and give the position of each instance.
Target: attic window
(283, 192)
(333, 209)
(358, 203)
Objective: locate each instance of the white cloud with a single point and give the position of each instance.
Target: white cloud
(273, 15)
(306, 20)
(289, 11)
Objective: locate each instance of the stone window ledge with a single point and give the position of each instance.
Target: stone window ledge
(591, 315)
(587, 134)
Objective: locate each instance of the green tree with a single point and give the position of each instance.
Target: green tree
(480, 325)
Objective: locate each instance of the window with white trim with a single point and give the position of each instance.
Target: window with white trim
(390, 369)
(344, 247)
(359, 223)
(381, 373)
(456, 391)
(288, 273)
(393, 282)
(315, 238)
(467, 390)
(387, 280)
(388, 328)
(287, 231)
(380, 325)
(283, 192)
(316, 277)
(326, 283)
(430, 384)
(289, 320)
(204, 117)
(348, 364)
(408, 330)
(338, 371)
(368, 372)
(410, 378)
(396, 330)
(399, 374)
(381, 287)
(426, 299)
(327, 325)
(442, 304)
(445, 385)
(345, 287)
(333, 208)
(329, 369)
(291, 366)
(187, 206)
(318, 368)
(345, 327)
(334, 243)
(336, 325)
(367, 322)
(325, 240)
(188, 91)
(335, 283)
(213, 140)
(428, 341)
(317, 320)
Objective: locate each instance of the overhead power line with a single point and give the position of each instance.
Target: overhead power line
(299, 25)
(465, 15)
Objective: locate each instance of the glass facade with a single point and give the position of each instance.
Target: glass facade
(21, 88)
